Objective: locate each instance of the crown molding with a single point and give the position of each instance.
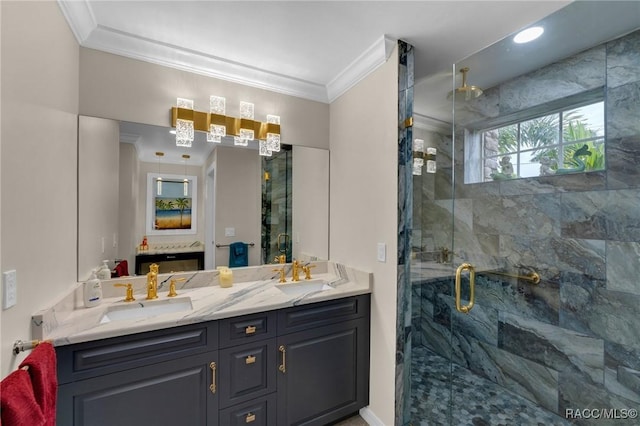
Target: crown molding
(92, 35)
(377, 54)
(80, 18)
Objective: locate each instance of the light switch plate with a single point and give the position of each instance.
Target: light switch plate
(9, 289)
(382, 252)
(229, 232)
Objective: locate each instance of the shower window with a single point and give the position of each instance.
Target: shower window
(567, 141)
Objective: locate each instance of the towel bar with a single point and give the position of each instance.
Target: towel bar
(251, 244)
(22, 345)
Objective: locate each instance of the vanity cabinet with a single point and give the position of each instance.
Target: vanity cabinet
(161, 377)
(324, 361)
(306, 365)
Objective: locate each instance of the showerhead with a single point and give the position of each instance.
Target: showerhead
(464, 92)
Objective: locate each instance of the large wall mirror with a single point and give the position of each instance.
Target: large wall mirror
(194, 205)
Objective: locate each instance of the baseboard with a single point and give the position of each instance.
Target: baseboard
(370, 417)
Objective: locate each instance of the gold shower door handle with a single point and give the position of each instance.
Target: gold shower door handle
(472, 286)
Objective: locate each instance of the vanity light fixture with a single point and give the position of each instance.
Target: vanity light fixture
(422, 157)
(184, 125)
(527, 35)
(217, 125)
(159, 178)
(185, 182)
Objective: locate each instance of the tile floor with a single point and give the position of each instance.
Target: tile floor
(476, 401)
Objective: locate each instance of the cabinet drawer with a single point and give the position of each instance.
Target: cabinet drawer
(247, 371)
(91, 359)
(257, 412)
(322, 313)
(247, 328)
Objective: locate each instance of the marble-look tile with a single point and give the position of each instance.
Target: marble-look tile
(481, 323)
(526, 378)
(623, 157)
(630, 379)
(623, 104)
(479, 109)
(552, 346)
(518, 215)
(577, 393)
(610, 215)
(616, 355)
(623, 60)
(623, 268)
(579, 73)
(590, 308)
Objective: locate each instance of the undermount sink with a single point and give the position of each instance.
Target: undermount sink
(146, 309)
(303, 287)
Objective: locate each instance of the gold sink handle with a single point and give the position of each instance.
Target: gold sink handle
(129, 295)
(472, 286)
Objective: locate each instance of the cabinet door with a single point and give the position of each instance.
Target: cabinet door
(323, 373)
(170, 393)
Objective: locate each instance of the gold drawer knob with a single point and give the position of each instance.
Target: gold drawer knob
(250, 418)
(250, 359)
(251, 329)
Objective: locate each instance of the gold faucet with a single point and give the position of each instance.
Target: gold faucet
(295, 271)
(307, 271)
(129, 295)
(172, 286)
(152, 282)
(282, 274)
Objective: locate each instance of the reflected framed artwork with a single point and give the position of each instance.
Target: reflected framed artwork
(171, 204)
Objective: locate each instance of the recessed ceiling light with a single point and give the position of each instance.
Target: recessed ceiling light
(530, 34)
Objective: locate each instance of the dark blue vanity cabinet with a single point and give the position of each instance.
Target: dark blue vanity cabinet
(306, 365)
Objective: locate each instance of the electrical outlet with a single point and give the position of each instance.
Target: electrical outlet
(9, 289)
(229, 232)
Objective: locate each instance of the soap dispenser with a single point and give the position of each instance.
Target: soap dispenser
(92, 291)
(104, 272)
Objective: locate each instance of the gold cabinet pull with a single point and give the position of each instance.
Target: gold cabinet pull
(250, 418)
(472, 286)
(212, 386)
(250, 359)
(283, 366)
(250, 329)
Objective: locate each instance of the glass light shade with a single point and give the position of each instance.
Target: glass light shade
(417, 170)
(159, 186)
(184, 103)
(264, 148)
(217, 105)
(246, 110)
(431, 160)
(274, 119)
(240, 141)
(216, 132)
(418, 145)
(246, 134)
(273, 142)
(184, 133)
(185, 189)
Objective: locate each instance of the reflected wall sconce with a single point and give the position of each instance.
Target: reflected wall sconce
(185, 181)
(217, 125)
(423, 157)
(159, 178)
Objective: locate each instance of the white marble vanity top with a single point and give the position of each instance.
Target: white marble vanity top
(254, 290)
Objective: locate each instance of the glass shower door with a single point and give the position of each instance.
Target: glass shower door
(277, 206)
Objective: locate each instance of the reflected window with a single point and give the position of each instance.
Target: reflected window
(567, 141)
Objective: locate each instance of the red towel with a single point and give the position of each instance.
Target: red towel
(122, 269)
(18, 404)
(44, 379)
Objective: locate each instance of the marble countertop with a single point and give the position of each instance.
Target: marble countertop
(255, 289)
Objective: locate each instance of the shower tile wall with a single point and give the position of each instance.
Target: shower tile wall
(573, 341)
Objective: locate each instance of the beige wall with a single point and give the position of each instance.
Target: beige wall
(129, 195)
(238, 201)
(98, 198)
(363, 199)
(40, 73)
(119, 88)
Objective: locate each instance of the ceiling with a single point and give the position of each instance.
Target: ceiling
(311, 49)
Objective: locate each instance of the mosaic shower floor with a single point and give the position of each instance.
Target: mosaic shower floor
(476, 401)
